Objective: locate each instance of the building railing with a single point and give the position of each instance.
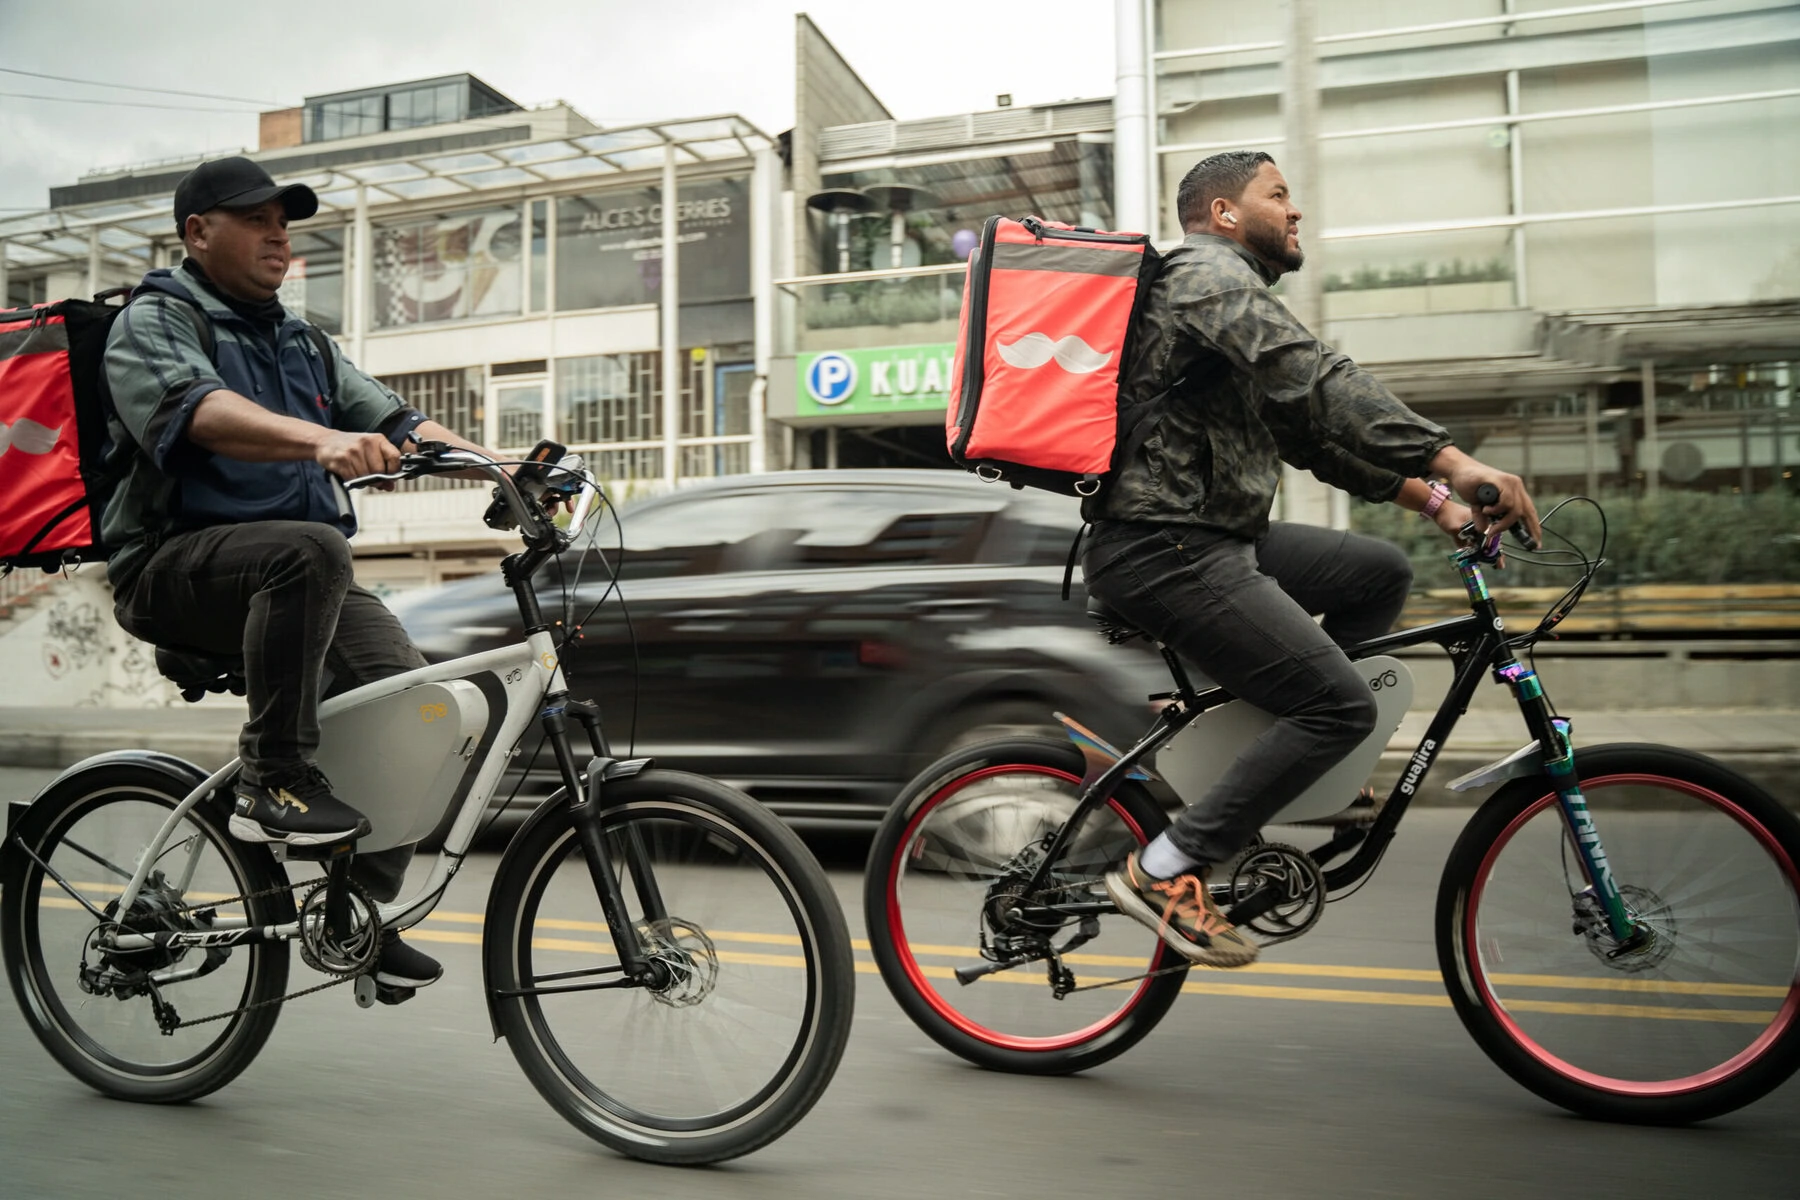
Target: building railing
(1366, 35)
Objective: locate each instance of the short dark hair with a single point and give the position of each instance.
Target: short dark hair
(1221, 177)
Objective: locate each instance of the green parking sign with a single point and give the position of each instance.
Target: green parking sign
(865, 382)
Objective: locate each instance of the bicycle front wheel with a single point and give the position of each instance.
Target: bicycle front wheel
(744, 1028)
(948, 869)
(1700, 1019)
(96, 1010)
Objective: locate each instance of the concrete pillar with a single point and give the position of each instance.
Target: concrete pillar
(1652, 457)
(765, 207)
(671, 316)
(362, 251)
(93, 268)
(1515, 163)
(1304, 289)
(1592, 439)
(1131, 119)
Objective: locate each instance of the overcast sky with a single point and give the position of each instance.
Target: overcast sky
(615, 62)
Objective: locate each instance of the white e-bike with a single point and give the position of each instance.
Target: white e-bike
(665, 959)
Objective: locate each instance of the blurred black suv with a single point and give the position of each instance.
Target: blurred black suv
(817, 637)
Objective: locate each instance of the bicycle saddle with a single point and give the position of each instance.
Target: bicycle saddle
(197, 673)
(1115, 627)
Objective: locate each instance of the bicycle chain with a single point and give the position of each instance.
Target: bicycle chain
(156, 997)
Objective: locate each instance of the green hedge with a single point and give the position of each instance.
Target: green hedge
(1677, 537)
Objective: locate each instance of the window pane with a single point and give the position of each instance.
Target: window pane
(870, 528)
(451, 398)
(448, 268)
(740, 531)
(314, 287)
(521, 413)
(609, 398)
(400, 110)
(447, 107)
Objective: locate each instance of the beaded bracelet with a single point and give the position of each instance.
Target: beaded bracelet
(1439, 494)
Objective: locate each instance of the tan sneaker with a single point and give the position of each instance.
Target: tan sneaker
(1182, 914)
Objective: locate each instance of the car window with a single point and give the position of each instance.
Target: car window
(705, 535)
(1035, 530)
(875, 527)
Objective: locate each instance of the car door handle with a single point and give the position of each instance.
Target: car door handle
(949, 610)
(705, 620)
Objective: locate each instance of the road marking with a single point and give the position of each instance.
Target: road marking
(426, 932)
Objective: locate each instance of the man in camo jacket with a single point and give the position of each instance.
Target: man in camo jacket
(1225, 386)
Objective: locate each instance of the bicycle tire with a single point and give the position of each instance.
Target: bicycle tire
(37, 919)
(956, 1018)
(1704, 1020)
(705, 830)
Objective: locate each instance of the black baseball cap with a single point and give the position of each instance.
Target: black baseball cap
(236, 182)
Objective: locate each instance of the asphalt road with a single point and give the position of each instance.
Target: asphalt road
(1307, 1091)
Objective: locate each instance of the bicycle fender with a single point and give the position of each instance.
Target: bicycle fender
(1526, 760)
(183, 774)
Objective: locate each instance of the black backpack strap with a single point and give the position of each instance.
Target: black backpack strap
(322, 343)
(1074, 552)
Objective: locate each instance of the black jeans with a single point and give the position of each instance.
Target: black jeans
(1242, 612)
(281, 594)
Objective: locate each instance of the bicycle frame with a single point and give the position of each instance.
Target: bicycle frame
(530, 676)
(1477, 644)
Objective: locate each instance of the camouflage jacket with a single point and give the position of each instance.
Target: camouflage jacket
(1227, 385)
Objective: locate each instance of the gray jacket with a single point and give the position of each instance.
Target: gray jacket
(1228, 385)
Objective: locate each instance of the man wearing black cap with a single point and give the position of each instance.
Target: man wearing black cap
(231, 524)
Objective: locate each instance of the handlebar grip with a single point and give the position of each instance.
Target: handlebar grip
(1487, 494)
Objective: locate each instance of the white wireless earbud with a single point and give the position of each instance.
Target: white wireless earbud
(1231, 218)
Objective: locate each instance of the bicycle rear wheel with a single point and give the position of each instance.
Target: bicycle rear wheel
(1703, 1019)
(747, 1029)
(948, 862)
(93, 1010)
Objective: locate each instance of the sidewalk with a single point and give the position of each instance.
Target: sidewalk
(1763, 744)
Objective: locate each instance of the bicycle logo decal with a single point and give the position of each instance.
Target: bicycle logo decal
(1386, 679)
(433, 712)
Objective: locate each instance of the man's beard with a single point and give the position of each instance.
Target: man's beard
(1269, 243)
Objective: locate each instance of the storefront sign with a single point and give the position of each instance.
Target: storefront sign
(609, 245)
(866, 382)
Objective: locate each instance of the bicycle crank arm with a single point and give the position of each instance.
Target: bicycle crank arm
(968, 975)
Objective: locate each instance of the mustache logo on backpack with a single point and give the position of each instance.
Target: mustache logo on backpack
(1035, 349)
(28, 437)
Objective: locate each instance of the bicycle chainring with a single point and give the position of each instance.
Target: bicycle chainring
(1299, 890)
(334, 952)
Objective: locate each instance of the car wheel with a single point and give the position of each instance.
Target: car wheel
(989, 720)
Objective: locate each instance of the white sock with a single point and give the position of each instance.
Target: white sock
(1161, 859)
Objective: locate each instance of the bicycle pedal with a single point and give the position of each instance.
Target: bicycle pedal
(394, 995)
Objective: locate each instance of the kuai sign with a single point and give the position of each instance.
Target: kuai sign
(868, 382)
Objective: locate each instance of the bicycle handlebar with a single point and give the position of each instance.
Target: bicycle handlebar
(1488, 494)
(436, 458)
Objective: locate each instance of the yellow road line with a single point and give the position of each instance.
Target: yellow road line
(426, 932)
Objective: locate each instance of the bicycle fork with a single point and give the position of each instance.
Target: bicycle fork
(1558, 751)
(585, 809)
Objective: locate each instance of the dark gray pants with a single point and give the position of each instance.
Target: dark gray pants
(1241, 612)
(281, 594)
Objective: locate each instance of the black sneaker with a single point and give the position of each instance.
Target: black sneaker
(295, 807)
(401, 966)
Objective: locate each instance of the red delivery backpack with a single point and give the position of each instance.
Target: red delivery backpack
(1047, 319)
(55, 477)
(62, 454)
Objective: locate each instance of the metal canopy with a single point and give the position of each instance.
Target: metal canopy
(128, 230)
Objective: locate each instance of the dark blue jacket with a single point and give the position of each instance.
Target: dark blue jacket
(159, 371)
